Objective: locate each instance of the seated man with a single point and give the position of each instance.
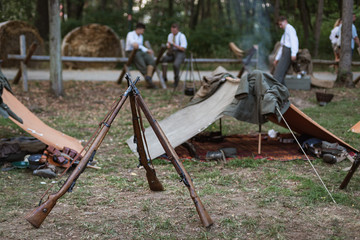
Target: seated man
(176, 45)
(143, 60)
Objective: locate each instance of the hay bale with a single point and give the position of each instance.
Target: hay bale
(93, 40)
(10, 32)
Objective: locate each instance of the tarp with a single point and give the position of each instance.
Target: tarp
(356, 128)
(37, 128)
(193, 119)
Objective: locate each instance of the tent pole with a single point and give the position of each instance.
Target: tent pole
(259, 142)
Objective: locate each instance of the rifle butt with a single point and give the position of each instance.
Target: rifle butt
(350, 173)
(154, 183)
(38, 215)
(203, 214)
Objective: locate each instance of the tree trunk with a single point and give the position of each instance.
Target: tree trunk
(119, 5)
(238, 15)
(42, 18)
(304, 20)
(228, 12)
(195, 14)
(318, 23)
(74, 9)
(344, 74)
(208, 9)
(54, 44)
(103, 4)
(220, 12)
(202, 10)
(171, 8)
(276, 11)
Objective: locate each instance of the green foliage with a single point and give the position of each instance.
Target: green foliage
(69, 25)
(17, 10)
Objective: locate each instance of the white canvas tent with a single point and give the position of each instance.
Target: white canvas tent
(191, 120)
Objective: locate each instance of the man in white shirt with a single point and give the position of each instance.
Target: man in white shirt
(288, 50)
(354, 36)
(143, 60)
(176, 45)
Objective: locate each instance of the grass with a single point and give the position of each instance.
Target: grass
(247, 198)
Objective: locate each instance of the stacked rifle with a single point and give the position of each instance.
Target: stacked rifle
(137, 103)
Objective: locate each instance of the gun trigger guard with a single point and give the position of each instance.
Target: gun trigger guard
(183, 179)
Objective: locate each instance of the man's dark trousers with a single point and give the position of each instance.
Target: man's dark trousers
(283, 65)
(177, 57)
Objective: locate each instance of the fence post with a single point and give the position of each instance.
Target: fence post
(22, 63)
(122, 46)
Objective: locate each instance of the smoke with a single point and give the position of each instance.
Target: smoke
(253, 25)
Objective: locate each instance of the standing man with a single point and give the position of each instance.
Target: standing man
(354, 36)
(143, 60)
(287, 53)
(176, 45)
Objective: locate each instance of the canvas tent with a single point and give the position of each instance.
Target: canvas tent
(221, 94)
(31, 124)
(356, 128)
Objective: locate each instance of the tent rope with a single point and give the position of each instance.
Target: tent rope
(317, 174)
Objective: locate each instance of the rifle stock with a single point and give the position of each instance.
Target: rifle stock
(126, 66)
(153, 181)
(351, 172)
(203, 214)
(38, 215)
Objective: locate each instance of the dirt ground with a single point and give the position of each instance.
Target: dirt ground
(267, 201)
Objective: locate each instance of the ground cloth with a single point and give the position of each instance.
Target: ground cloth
(247, 146)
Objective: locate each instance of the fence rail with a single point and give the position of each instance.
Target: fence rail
(124, 59)
(118, 59)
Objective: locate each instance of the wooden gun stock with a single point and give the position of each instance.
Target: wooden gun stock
(203, 214)
(126, 66)
(38, 215)
(351, 172)
(154, 183)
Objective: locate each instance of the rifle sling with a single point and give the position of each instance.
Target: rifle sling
(143, 130)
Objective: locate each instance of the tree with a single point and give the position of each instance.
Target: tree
(42, 18)
(317, 29)
(344, 74)
(305, 19)
(74, 8)
(55, 46)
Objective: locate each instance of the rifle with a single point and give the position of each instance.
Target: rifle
(38, 215)
(153, 181)
(174, 158)
(351, 172)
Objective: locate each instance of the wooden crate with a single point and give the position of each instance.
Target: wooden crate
(301, 83)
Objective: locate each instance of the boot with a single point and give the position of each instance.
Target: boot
(149, 70)
(164, 70)
(176, 82)
(149, 82)
(148, 79)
